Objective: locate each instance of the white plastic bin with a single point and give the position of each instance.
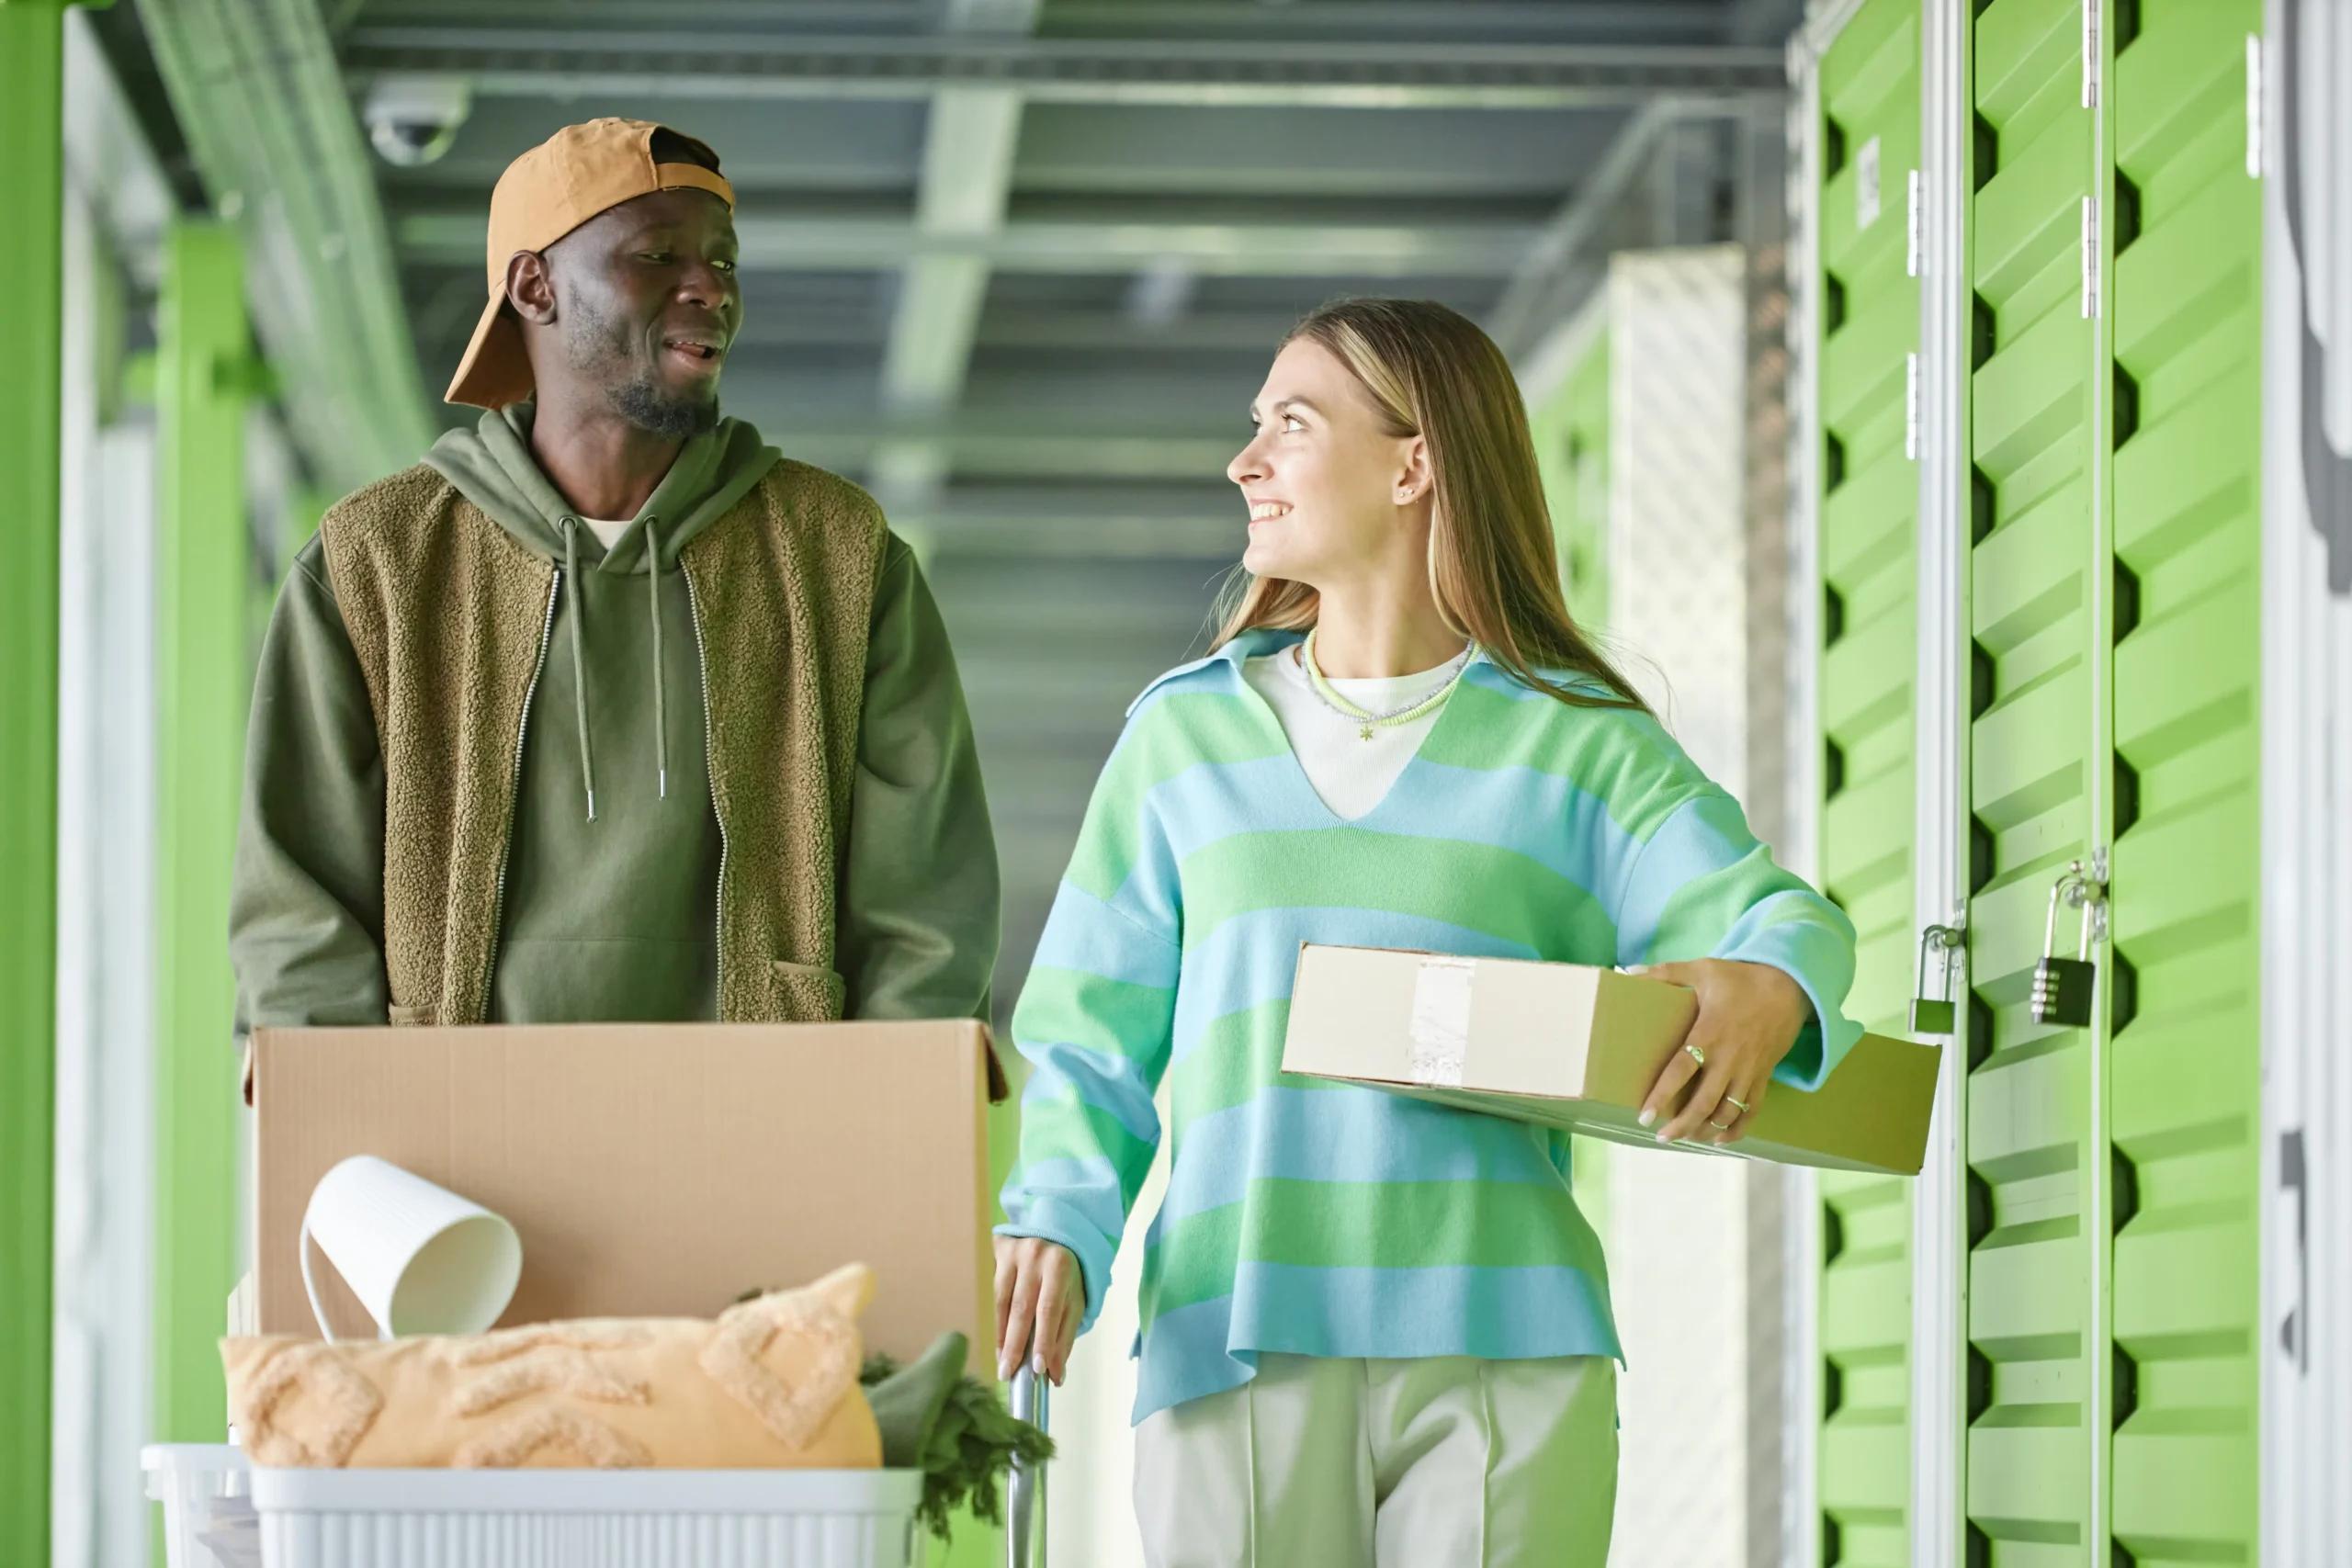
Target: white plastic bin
(207, 1493)
(526, 1519)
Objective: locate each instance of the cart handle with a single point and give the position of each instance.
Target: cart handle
(1025, 1512)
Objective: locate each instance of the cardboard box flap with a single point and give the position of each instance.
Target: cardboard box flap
(655, 1169)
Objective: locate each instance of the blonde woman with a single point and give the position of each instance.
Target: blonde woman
(1377, 1331)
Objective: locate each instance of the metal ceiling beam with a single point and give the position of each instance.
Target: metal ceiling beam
(1045, 535)
(568, 64)
(1531, 21)
(982, 444)
(256, 86)
(1646, 21)
(969, 140)
(783, 244)
(791, 325)
(1536, 295)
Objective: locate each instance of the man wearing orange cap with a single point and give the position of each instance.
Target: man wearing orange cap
(605, 710)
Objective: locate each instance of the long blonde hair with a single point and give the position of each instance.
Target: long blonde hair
(1432, 373)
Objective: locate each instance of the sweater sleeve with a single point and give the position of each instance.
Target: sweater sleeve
(919, 896)
(1094, 1023)
(1700, 886)
(306, 898)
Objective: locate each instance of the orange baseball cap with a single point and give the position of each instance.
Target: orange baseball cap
(579, 172)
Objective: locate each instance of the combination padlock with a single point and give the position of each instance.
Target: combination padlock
(2062, 987)
(1935, 1015)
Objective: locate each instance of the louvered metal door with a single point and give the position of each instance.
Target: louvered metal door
(2184, 1065)
(1868, 316)
(2033, 1151)
(2111, 1171)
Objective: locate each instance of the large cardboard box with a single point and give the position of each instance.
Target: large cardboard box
(654, 1169)
(1564, 1045)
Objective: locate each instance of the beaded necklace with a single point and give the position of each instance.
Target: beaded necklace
(1367, 722)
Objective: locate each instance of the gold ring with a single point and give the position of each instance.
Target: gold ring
(1696, 1055)
(1733, 1099)
(1720, 1126)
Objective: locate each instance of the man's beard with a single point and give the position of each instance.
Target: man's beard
(647, 407)
(599, 344)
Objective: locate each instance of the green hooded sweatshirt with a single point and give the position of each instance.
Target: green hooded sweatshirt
(610, 917)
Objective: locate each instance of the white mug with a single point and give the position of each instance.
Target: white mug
(421, 1259)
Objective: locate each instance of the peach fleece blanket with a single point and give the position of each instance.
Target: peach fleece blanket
(773, 1384)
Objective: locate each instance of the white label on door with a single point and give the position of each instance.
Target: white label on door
(1866, 184)
(1912, 236)
(2090, 53)
(2253, 107)
(2090, 258)
(1911, 406)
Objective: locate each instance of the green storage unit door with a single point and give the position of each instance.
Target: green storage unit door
(2184, 1078)
(1571, 432)
(1868, 508)
(2033, 1330)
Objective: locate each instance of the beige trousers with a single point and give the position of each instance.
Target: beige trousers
(1328, 1462)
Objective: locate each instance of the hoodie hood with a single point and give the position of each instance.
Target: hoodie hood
(492, 467)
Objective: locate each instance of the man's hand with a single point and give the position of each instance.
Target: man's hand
(1749, 1015)
(1040, 1297)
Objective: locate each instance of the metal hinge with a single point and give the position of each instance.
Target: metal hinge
(2253, 107)
(2090, 257)
(2090, 53)
(1911, 406)
(1912, 219)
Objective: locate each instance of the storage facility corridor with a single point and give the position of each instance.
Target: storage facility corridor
(1943, 412)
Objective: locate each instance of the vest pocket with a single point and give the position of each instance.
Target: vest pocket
(805, 993)
(421, 1016)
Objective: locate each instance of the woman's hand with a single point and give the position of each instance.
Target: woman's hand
(1040, 1297)
(1749, 1017)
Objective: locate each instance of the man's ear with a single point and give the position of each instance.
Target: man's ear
(530, 287)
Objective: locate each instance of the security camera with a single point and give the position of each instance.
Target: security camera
(412, 119)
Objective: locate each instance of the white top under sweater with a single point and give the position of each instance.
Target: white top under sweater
(1351, 773)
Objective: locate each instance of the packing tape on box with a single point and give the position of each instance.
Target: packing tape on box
(1441, 1027)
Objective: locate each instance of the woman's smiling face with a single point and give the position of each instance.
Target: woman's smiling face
(1323, 477)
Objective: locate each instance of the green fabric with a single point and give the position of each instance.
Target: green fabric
(610, 918)
(614, 919)
(908, 1400)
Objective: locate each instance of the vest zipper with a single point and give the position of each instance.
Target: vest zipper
(522, 732)
(710, 779)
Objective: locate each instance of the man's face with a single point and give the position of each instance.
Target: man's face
(646, 305)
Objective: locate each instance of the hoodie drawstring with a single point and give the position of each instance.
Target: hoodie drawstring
(579, 659)
(660, 715)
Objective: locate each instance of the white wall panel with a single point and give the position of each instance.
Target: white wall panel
(1679, 1227)
(1677, 537)
(2307, 785)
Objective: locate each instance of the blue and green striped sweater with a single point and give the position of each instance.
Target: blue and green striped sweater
(1328, 1219)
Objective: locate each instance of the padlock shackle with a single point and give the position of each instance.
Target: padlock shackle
(2076, 888)
(1946, 941)
(2073, 874)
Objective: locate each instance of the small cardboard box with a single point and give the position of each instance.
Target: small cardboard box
(1565, 1045)
(654, 1169)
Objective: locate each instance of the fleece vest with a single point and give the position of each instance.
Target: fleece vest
(448, 616)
